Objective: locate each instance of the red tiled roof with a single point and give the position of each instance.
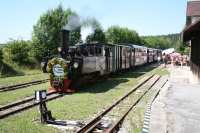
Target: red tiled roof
(193, 8)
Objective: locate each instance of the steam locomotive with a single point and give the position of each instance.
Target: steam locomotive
(99, 58)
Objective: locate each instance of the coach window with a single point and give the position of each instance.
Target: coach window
(104, 51)
(111, 52)
(136, 52)
(84, 51)
(145, 52)
(98, 51)
(129, 52)
(107, 52)
(124, 51)
(91, 50)
(78, 51)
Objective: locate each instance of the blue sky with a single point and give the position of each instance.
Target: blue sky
(147, 17)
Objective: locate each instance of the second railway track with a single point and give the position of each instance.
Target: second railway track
(22, 85)
(24, 104)
(109, 120)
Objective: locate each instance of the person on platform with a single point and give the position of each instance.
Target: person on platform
(164, 57)
(159, 59)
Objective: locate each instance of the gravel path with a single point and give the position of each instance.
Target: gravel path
(177, 108)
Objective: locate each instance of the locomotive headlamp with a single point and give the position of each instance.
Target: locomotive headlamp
(59, 49)
(40, 95)
(75, 65)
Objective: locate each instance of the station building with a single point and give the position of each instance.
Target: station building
(191, 34)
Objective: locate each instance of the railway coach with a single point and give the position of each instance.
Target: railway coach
(107, 58)
(140, 53)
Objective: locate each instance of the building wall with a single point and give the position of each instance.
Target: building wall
(195, 55)
(195, 19)
(193, 34)
(192, 19)
(192, 12)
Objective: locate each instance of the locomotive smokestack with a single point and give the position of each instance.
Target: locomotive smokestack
(73, 23)
(65, 43)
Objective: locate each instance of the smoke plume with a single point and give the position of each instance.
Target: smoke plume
(87, 25)
(73, 23)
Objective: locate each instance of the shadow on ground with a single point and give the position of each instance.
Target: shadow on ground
(7, 71)
(105, 84)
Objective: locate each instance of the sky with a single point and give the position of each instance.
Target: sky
(147, 17)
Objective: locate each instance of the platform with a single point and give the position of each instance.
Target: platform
(177, 108)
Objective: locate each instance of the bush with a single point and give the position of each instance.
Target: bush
(18, 52)
(1, 55)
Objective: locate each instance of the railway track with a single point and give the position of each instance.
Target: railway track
(23, 85)
(24, 104)
(28, 102)
(111, 119)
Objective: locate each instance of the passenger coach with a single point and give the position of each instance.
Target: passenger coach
(107, 58)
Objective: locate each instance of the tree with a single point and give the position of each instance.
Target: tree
(165, 41)
(47, 32)
(116, 34)
(183, 48)
(18, 51)
(75, 36)
(157, 42)
(97, 36)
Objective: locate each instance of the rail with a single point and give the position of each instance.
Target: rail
(97, 121)
(22, 85)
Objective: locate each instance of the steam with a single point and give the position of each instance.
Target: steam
(88, 25)
(85, 31)
(73, 23)
(91, 22)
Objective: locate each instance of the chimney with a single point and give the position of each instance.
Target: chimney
(65, 43)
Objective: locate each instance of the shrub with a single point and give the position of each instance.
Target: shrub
(1, 55)
(18, 51)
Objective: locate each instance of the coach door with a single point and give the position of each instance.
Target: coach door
(132, 57)
(107, 55)
(148, 56)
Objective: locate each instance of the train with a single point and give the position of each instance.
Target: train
(95, 58)
(110, 58)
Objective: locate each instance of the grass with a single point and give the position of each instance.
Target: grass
(30, 75)
(10, 96)
(162, 71)
(90, 99)
(26, 123)
(8, 70)
(134, 121)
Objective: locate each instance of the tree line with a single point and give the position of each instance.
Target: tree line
(167, 41)
(46, 38)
